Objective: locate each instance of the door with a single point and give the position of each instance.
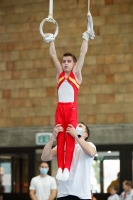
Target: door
(16, 170)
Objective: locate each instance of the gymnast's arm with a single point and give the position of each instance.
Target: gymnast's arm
(55, 58)
(49, 153)
(78, 67)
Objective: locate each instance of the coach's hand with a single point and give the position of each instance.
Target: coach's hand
(71, 130)
(58, 128)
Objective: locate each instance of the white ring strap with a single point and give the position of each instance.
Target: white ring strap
(88, 5)
(90, 22)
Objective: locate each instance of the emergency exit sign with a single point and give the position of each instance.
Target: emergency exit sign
(42, 138)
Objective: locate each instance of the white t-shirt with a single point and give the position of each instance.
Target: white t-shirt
(127, 196)
(114, 197)
(43, 186)
(79, 183)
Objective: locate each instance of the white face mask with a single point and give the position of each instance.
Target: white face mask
(43, 171)
(79, 130)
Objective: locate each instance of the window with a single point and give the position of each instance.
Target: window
(105, 169)
(14, 173)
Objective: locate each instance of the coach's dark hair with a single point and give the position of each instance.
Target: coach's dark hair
(70, 54)
(87, 130)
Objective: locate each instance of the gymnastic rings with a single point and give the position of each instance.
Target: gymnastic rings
(49, 20)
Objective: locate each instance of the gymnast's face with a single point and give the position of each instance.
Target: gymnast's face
(67, 63)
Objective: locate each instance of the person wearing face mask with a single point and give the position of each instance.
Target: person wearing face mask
(78, 185)
(43, 186)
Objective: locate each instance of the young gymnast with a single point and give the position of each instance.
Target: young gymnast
(69, 78)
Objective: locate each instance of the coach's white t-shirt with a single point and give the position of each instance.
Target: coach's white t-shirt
(43, 186)
(79, 182)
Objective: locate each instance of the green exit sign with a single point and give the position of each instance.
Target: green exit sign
(42, 138)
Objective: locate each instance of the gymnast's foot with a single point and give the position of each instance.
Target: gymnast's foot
(65, 175)
(59, 174)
